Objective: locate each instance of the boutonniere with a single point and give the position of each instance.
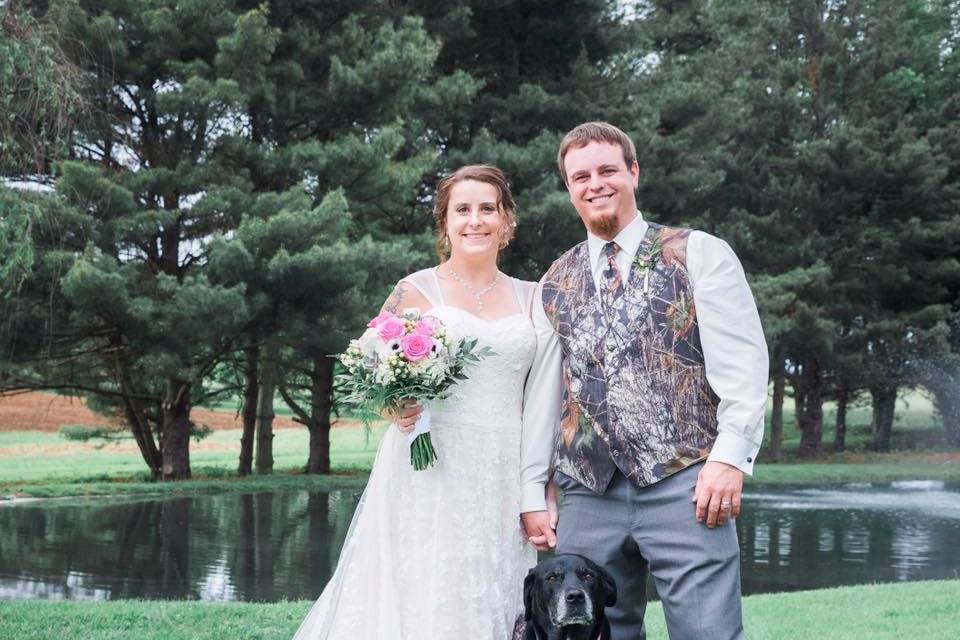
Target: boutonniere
(646, 261)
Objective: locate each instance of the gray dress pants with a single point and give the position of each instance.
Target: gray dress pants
(631, 532)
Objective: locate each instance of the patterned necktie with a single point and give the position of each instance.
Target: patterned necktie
(611, 284)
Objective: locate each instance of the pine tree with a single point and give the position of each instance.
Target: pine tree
(145, 325)
(331, 162)
(808, 154)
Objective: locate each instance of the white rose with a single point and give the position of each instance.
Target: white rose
(368, 342)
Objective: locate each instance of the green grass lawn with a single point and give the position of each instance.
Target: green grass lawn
(44, 464)
(928, 610)
(56, 468)
(54, 457)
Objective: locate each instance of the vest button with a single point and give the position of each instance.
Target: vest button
(611, 345)
(615, 452)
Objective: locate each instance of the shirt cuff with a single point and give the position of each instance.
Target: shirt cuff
(533, 497)
(734, 450)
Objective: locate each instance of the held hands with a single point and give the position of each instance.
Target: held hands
(406, 416)
(540, 527)
(718, 492)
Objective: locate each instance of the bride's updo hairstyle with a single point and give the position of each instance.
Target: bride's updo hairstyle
(481, 173)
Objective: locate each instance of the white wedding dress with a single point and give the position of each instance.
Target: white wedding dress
(439, 554)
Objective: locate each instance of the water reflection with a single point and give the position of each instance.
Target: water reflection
(254, 547)
(284, 545)
(807, 538)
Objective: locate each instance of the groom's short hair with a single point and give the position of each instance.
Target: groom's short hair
(583, 134)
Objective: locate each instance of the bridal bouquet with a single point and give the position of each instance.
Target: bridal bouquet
(401, 357)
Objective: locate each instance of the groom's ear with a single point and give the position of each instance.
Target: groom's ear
(528, 583)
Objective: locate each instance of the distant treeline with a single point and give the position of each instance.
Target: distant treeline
(233, 187)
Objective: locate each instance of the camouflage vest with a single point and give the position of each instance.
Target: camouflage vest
(635, 396)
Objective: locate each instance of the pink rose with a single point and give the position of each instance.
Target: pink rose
(424, 328)
(416, 346)
(380, 318)
(433, 323)
(391, 328)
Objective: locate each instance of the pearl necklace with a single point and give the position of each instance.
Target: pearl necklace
(478, 295)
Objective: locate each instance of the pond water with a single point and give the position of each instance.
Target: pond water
(284, 544)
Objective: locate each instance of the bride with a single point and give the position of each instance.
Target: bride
(439, 553)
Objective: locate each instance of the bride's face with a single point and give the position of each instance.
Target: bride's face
(474, 219)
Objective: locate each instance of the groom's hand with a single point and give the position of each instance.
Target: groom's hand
(718, 492)
(536, 524)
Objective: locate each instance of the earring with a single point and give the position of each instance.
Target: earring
(446, 242)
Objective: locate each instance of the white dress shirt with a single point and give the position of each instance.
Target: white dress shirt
(734, 351)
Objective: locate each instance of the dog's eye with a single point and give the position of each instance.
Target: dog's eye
(588, 576)
(552, 577)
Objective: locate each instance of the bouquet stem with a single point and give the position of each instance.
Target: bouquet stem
(422, 453)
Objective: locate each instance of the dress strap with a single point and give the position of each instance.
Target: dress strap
(518, 293)
(524, 291)
(425, 281)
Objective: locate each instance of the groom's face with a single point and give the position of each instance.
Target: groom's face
(601, 187)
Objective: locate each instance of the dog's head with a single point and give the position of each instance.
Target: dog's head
(567, 590)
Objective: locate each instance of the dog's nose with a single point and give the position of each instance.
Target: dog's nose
(576, 597)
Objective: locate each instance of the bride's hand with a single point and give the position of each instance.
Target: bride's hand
(406, 416)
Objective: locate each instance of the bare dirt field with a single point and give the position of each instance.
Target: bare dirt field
(48, 412)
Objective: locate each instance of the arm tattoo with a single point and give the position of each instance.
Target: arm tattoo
(395, 300)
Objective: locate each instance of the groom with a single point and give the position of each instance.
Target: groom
(646, 400)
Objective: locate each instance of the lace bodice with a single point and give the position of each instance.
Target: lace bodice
(493, 395)
(500, 376)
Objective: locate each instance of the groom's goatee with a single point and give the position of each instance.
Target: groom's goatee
(604, 225)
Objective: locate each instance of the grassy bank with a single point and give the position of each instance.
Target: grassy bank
(28, 456)
(83, 470)
(44, 464)
(843, 468)
(930, 610)
(136, 486)
(877, 469)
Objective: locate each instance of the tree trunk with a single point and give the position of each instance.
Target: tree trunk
(811, 439)
(137, 421)
(175, 433)
(321, 396)
(799, 403)
(946, 400)
(245, 466)
(776, 420)
(840, 427)
(265, 414)
(884, 405)
(143, 437)
(947, 403)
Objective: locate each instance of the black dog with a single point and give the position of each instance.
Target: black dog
(564, 597)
